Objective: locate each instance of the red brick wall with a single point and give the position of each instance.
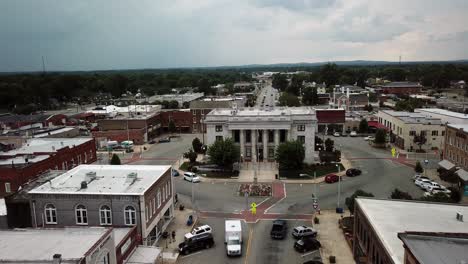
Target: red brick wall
(133, 235)
(181, 119)
(330, 116)
(135, 135)
(18, 176)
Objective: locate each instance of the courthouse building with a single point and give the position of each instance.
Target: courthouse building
(258, 131)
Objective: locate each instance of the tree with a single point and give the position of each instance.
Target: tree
(224, 153)
(455, 194)
(349, 201)
(368, 108)
(171, 126)
(330, 74)
(363, 126)
(418, 168)
(173, 104)
(296, 85)
(287, 99)
(329, 145)
(380, 136)
(191, 155)
(290, 155)
(197, 145)
(398, 194)
(115, 160)
(420, 139)
(205, 87)
(280, 81)
(439, 197)
(310, 96)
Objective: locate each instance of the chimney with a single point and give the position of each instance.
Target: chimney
(57, 259)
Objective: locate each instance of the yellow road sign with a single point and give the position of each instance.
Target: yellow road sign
(393, 152)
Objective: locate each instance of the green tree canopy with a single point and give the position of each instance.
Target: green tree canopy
(418, 168)
(363, 126)
(115, 160)
(295, 86)
(398, 194)
(287, 99)
(171, 126)
(329, 144)
(329, 74)
(349, 201)
(280, 81)
(224, 153)
(290, 155)
(173, 104)
(191, 155)
(380, 136)
(310, 96)
(197, 145)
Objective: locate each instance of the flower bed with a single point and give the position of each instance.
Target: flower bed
(259, 189)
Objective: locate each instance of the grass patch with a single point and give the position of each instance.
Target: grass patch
(321, 171)
(184, 166)
(218, 174)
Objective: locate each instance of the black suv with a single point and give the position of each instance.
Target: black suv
(307, 244)
(353, 172)
(279, 229)
(196, 243)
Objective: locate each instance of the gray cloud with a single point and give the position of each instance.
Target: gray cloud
(114, 34)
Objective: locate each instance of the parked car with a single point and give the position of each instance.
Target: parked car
(152, 142)
(175, 173)
(303, 231)
(307, 244)
(369, 138)
(196, 243)
(336, 134)
(164, 140)
(331, 178)
(421, 182)
(441, 189)
(429, 185)
(279, 229)
(353, 134)
(198, 231)
(419, 176)
(191, 177)
(353, 172)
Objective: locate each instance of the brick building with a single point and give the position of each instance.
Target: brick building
(11, 121)
(334, 119)
(183, 120)
(401, 88)
(378, 222)
(456, 153)
(107, 195)
(36, 156)
(201, 108)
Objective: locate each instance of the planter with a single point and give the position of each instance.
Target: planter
(316, 220)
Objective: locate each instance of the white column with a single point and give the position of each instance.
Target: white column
(265, 145)
(253, 140)
(277, 138)
(242, 142)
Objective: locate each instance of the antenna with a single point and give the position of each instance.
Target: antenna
(43, 66)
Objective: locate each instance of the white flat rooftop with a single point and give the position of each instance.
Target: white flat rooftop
(46, 145)
(442, 112)
(144, 255)
(54, 132)
(110, 179)
(20, 160)
(389, 217)
(3, 210)
(459, 126)
(277, 111)
(41, 244)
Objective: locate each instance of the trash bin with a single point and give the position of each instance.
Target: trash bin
(339, 210)
(190, 220)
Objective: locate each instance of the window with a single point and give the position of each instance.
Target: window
(260, 136)
(194, 120)
(219, 138)
(248, 136)
(301, 128)
(248, 152)
(168, 189)
(164, 193)
(105, 259)
(443, 133)
(50, 214)
(159, 199)
(130, 215)
(412, 133)
(271, 153)
(301, 139)
(105, 215)
(146, 213)
(271, 136)
(81, 215)
(435, 133)
(7, 187)
(154, 205)
(85, 158)
(219, 128)
(423, 133)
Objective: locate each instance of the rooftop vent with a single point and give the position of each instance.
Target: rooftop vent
(90, 176)
(84, 185)
(56, 258)
(132, 175)
(459, 217)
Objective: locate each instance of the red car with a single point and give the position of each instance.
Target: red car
(331, 178)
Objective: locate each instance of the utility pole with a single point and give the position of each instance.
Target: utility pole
(339, 187)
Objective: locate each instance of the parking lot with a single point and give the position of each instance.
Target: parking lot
(257, 245)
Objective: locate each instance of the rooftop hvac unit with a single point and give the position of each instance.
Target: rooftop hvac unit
(459, 216)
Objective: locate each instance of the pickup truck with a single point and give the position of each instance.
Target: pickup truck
(279, 229)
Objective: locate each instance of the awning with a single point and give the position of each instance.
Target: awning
(446, 165)
(144, 255)
(462, 174)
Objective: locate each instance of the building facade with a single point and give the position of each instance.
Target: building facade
(401, 88)
(37, 156)
(259, 131)
(405, 126)
(330, 120)
(106, 195)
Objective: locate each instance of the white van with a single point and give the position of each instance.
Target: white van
(233, 238)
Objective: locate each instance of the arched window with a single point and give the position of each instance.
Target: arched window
(105, 215)
(81, 215)
(130, 215)
(50, 214)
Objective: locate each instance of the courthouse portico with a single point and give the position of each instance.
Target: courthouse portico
(258, 131)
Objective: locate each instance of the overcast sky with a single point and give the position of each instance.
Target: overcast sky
(111, 34)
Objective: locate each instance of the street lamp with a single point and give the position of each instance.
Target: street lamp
(315, 194)
(338, 208)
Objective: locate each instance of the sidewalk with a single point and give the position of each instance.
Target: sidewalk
(169, 248)
(332, 238)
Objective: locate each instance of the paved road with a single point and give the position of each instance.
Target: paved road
(267, 96)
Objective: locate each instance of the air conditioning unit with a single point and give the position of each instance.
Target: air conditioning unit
(459, 216)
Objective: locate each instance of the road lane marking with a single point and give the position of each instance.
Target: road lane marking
(248, 246)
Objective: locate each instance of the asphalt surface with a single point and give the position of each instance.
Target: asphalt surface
(267, 96)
